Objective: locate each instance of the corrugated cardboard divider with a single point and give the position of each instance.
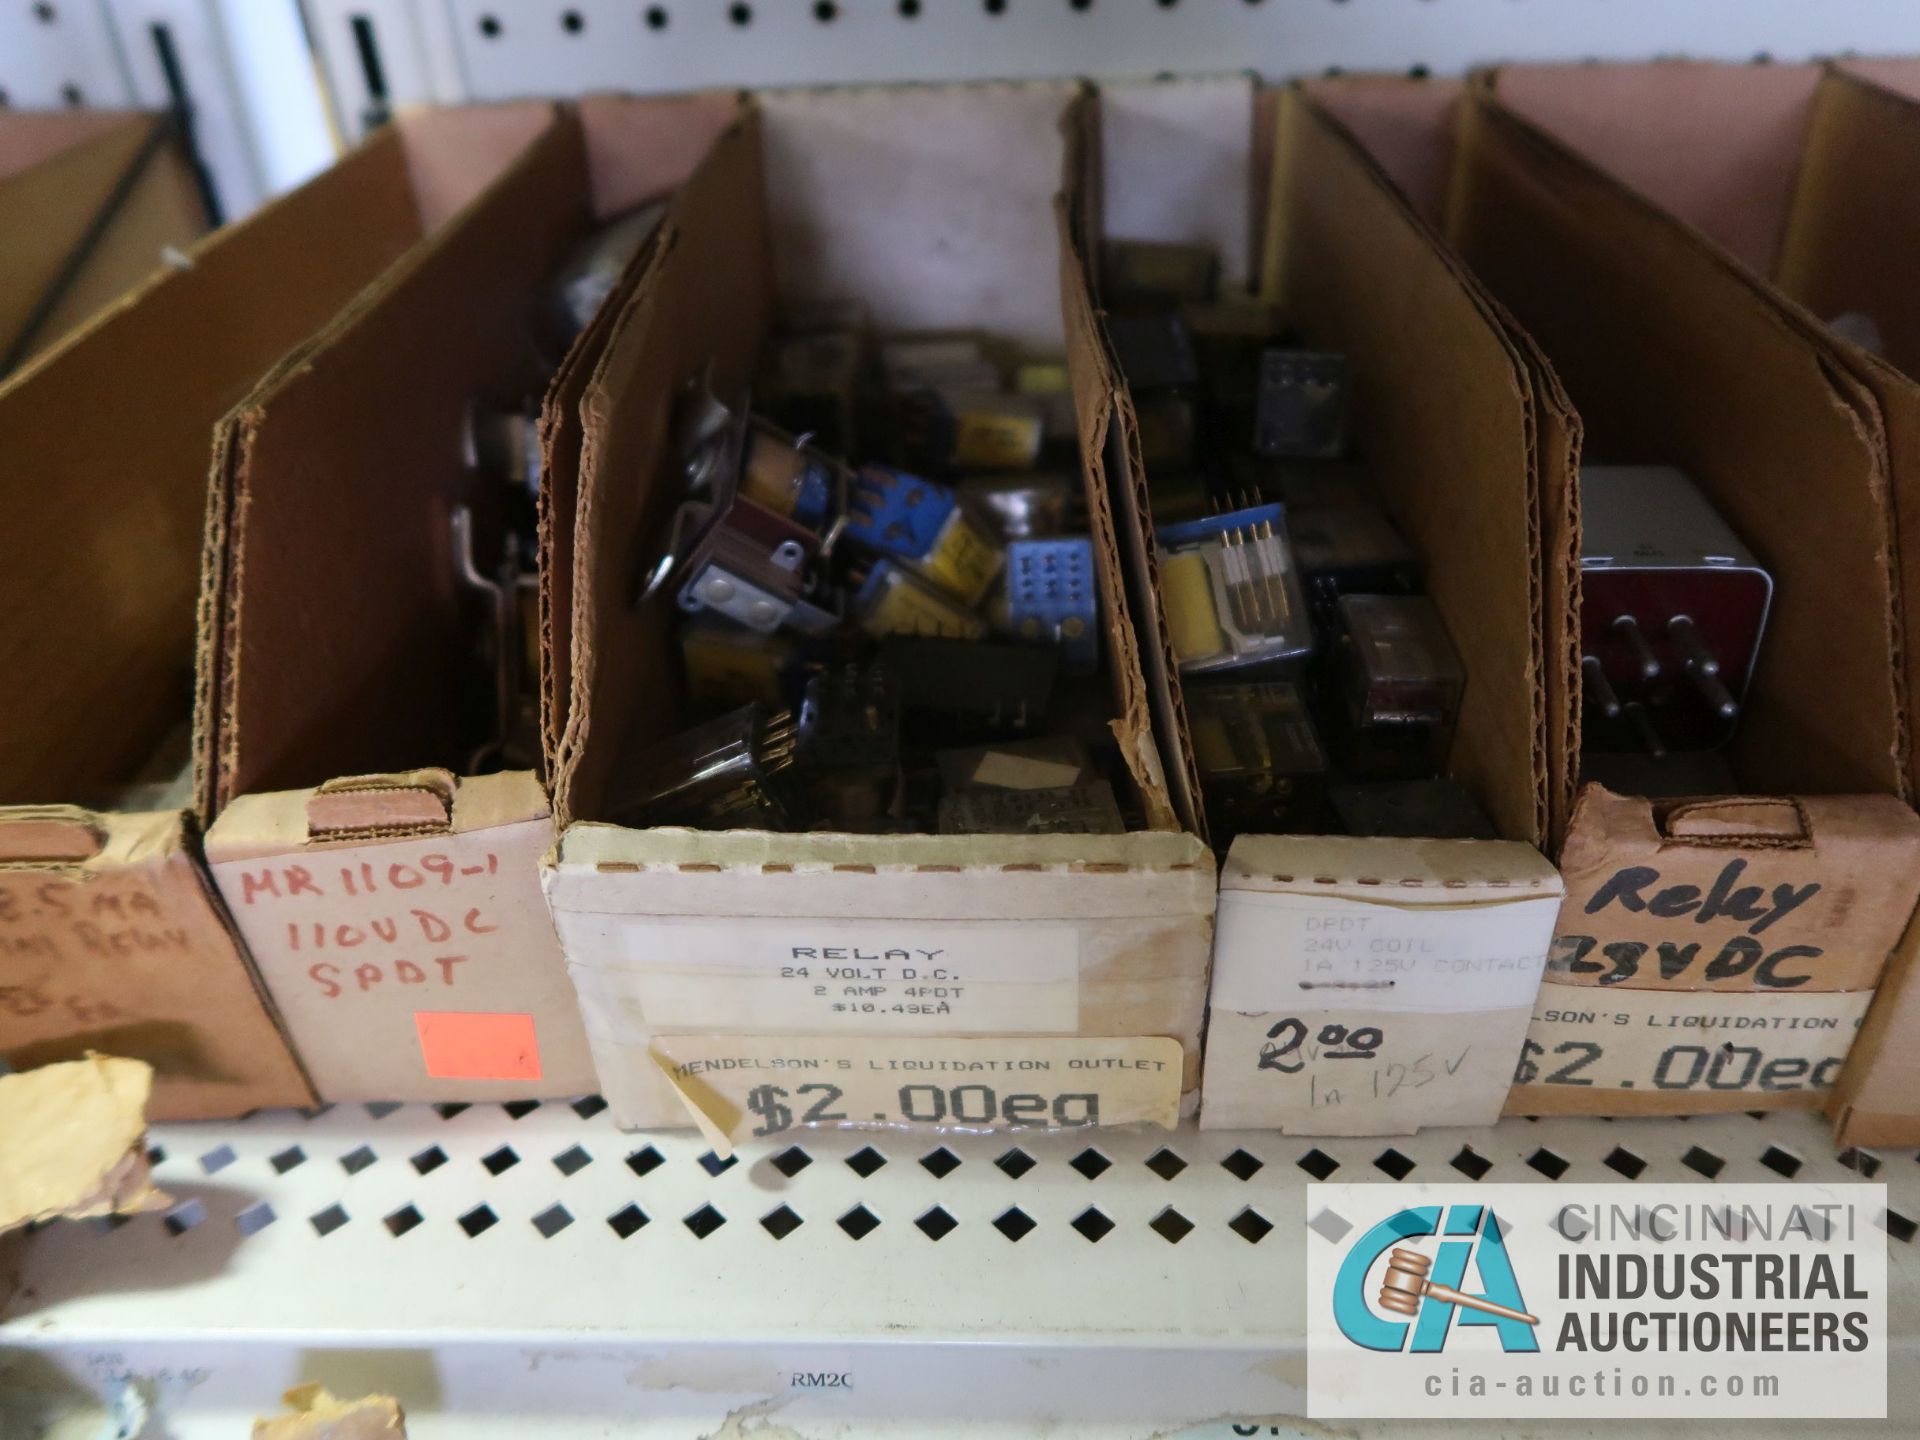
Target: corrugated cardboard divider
(111, 184)
(344, 640)
(114, 427)
(1676, 354)
(1445, 411)
(1167, 797)
(1406, 126)
(634, 151)
(1716, 145)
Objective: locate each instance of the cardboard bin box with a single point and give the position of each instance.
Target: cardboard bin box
(90, 202)
(1766, 903)
(1361, 985)
(376, 837)
(1086, 956)
(112, 937)
(1805, 175)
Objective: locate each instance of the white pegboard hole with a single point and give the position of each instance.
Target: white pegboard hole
(704, 1221)
(1092, 1224)
(859, 1222)
(647, 1159)
(781, 1222)
(1015, 1223)
(572, 1160)
(1251, 1226)
(936, 1224)
(627, 1221)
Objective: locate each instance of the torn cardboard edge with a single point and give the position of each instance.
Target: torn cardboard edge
(75, 1142)
(320, 1415)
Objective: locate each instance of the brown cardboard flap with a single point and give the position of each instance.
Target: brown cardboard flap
(418, 802)
(706, 300)
(1445, 408)
(1105, 434)
(1407, 129)
(340, 640)
(105, 544)
(1741, 820)
(1716, 145)
(1676, 353)
(80, 226)
(31, 834)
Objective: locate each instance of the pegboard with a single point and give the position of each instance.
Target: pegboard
(492, 1263)
(494, 49)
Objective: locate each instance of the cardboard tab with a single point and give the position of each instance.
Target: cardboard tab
(418, 802)
(43, 834)
(1748, 820)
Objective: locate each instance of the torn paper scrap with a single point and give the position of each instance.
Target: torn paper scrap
(320, 1416)
(73, 1141)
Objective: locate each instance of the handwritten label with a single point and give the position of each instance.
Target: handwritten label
(636, 975)
(1681, 1042)
(56, 934)
(761, 1087)
(1357, 1072)
(354, 940)
(1277, 950)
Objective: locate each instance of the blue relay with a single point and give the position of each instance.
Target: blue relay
(1051, 596)
(923, 524)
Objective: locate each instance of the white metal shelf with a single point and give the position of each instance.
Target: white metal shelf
(493, 1265)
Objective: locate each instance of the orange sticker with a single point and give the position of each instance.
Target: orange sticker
(460, 1045)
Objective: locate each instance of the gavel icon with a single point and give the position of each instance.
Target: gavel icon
(1406, 1281)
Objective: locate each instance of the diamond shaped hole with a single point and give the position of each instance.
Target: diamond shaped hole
(520, 1109)
(380, 1109)
(1900, 1227)
(704, 1221)
(450, 1108)
(329, 1220)
(645, 1161)
(187, 1214)
(714, 1165)
(478, 1220)
(288, 1158)
(1242, 1166)
(500, 1161)
(781, 1223)
(1863, 1164)
(255, 1218)
(1471, 1163)
(1092, 1224)
(1015, 1223)
(1391, 1162)
(1164, 1163)
(588, 1106)
(859, 1222)
(429, 1160)
(1780, 1162)
(552, 1220)
(940, 1163)
(1317, 1163)
(156, 1155)
(791, 1161)
(406, 1218)
(1091, 1163)
(217, 1159)
(572, 1160)
(1623, 1161)
(1251, 1226)
(1016, 1162)
(1548, 1163)
(626, 1220)
(937, 1224)
(864, 1161)
(1703, 1162)
(1171, 1226)
(354, 1161)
